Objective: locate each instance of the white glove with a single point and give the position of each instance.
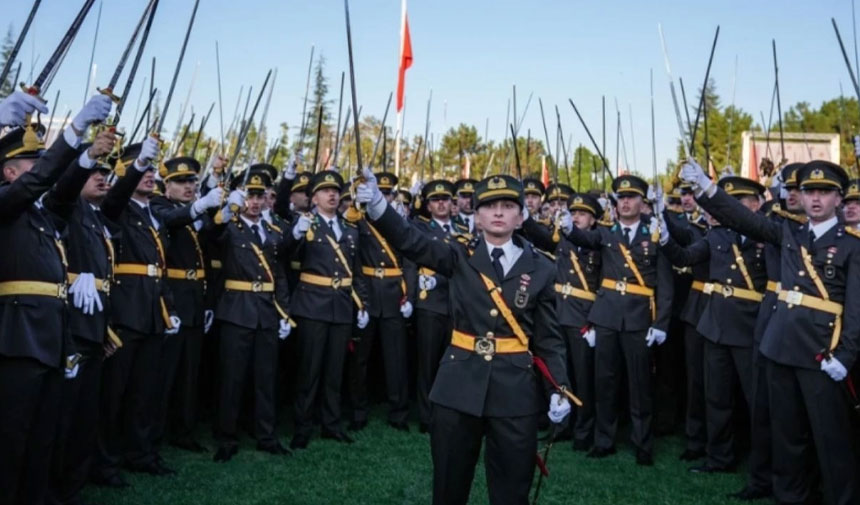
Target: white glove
(426, 282)
(559, 408)
(71, 373)
(284, 329)
(86, 296)
(96, 110)
(654, 225)
(301, 227)
(237, 198)
(148, 152)
(655, 335)
(566, 221)
(361, 319)
(659, 203)
(406, 309)
(693, 173)
(834, 369)
(211, 200)
(208, 319)
(368, 192)
(856, 146)
(590, 336)
(416, 188)
(664, 232)
(15, 108)
(290, 171)
(175, 322)
(401, 209)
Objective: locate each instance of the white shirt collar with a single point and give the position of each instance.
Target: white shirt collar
(823, 227)
(251, 223)
(443, 223)
(142, 205)
(267, 215)
(633, 228)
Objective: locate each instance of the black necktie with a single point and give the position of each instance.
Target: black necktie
(468, 225)
(256, 230)
(447, 228)
(331, 226)
(497, 253)
(811, 239)
(627, 235)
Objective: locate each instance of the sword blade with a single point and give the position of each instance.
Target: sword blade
(176, 71)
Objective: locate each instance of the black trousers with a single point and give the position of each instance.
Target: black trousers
(509, 456)
(29, 407)
(391, 332)
(433, 333)
(322, 352)
(669, 379)
(694, 355)
(808, 407)
(78, 426)
(127, 403)
(615, 352)
(581, 359)
(177, 390)
(242, 348)
(722, 364)
(760, 474)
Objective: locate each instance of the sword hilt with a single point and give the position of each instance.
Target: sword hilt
(33, 91)
(108, 92)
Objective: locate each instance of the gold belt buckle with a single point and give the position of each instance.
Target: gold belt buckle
(151, 271)
(191, 274)
(256, 286)
(335, 282)
(794, 298)
(728, 291)
(485, 346)
(567, 289)
(62, 291)
(106, 287)
(621, 287)
(379, 273)
(708, 288)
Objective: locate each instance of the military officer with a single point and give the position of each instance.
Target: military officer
(630, 315)
(462, 212)
(851, 204)
(811, 340)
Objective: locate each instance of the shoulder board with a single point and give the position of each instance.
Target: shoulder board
(854, 232)
(463, 238)
(608, 224)
(700, 224)
(424, 219)
(276, 228)
(548, 255)
(349, 223)
(788, 215)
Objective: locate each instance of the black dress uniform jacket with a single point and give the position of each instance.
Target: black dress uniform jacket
(726, 320)
(796, 334)
(384, 293)
(241, 263)
(436, 300)
(185, 253)
(685, 232)
(318, 257)
(629, 312)
(33, 326)
(137, 299)
(507, 385)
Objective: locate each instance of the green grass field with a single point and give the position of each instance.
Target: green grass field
(385, 466)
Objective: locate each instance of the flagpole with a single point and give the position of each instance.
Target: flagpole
(399, 131)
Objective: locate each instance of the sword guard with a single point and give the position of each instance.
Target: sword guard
(32, 90)
(108, 92)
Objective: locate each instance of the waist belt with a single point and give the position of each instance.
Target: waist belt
(254, 287)
(188, 275)
(137, 269)
(101, 284)
(327, 282)
(567, 290)
(216, 264)
(38, 288)
(792, 298)
(487, 345)
(773, 286)
(623, 287)
(381, 273)
(296, 265)
(732, 291)
(698, 286)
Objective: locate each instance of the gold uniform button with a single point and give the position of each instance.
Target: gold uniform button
(734, 267)
(494, 312)
(801, 273)
(490, 334)
(487, 357)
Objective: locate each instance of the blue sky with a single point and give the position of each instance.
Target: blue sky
(470, 52)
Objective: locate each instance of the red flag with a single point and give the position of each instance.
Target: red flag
(405, 58)
(544, 173)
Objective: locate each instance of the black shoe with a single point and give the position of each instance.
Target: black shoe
(581, 445)
(600, 452)
(423, 428)
(691, 455)
(399, 425)
(274, 448)
(225, 453)
(188, 444)
(706, 468)
(751, 493)
(115, 481)
(338, 436)
(357, 425)
(299, 442)
(644, 458)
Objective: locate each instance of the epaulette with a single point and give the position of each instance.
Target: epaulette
(608, 224)
(797, 218)
(545, 253)
(699, 224)
(424, 218)
(350, 223)
(276, 228)
(854, 232)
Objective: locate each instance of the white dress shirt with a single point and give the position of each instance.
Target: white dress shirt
(145, 207)
(633, 229)
(259, 224)
(512, 254)
(823, 227)
(333, 224)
